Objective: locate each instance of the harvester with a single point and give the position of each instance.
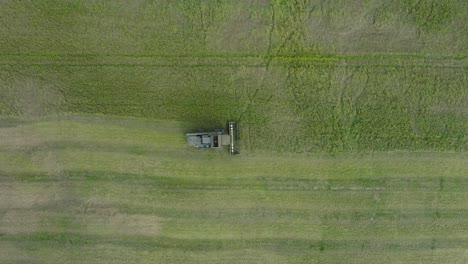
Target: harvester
(217, 139)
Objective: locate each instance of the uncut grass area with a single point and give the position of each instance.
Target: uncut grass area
(302, 76)
(95, 189)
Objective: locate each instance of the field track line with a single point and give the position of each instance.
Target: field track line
(228, 60)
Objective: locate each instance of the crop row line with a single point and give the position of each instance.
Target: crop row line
(225, 65)
(240, 55)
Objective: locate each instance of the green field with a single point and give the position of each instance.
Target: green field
(353, 129)
(115, 190)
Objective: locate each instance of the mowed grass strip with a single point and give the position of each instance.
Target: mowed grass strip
(94, 188)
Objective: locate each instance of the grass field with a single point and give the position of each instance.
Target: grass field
(353, 118)
(331, 75)
(114, 190)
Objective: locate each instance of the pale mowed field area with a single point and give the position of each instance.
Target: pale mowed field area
(353, 121)
(93, 189)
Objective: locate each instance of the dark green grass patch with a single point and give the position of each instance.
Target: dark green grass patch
(304, 76)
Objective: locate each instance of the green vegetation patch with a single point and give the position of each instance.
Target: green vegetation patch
(301, 76)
